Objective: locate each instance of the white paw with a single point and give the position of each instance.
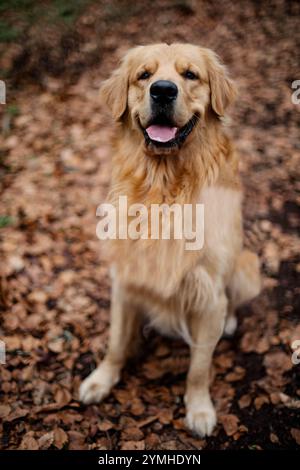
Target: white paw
(98, 384)
(230, 326)
(201, 419)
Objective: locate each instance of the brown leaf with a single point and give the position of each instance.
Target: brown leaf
(152, 440)
(237, 374)
(60, 438)
(37, 296)
(249, 341)
(295, 334)
(17, 414)
(244, 401)
(132, 434)
(260, 401)
(29, 443)
(137, 407)
(289, 402)
(105, 425)
(274, 438)
(272, 255)
(179, 424)
(152, 372)
(243, 428)
(165, 416)
(296, 435)
(277, 362)
(123, 396)
(12, 343)
(77, 440)
(275, 398)
(46, 440)
(4, 411)
(147, 421)
(162, 350)
(262, 345)
(169, 445)
(133, 445)
(230, 423)
(223, 361)
(56, 345)
(62, 397)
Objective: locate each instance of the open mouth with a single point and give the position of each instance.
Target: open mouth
(166, 135)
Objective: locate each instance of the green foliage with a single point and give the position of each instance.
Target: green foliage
(8, 33)
(5, 220)
(13, 110)
(28, 12)
(68, 10)
(15, 5)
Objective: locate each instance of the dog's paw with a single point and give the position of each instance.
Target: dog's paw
(98, 384)
(201, 419)
(92, 390)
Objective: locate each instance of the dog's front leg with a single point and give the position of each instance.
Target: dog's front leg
(206, 329)
(125, 321)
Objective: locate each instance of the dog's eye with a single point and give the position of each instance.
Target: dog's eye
(144, 76)
(190, 75)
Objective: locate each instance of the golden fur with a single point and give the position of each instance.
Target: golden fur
(184, 292)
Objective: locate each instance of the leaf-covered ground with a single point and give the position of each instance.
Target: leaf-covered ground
(54, 286)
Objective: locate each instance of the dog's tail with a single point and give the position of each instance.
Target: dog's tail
(245, 283)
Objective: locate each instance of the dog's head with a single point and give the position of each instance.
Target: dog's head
(165, 90)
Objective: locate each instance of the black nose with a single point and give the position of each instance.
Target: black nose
(163, 91)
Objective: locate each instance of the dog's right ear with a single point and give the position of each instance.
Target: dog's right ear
(114, 92)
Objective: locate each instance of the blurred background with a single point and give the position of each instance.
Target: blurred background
(54, 171)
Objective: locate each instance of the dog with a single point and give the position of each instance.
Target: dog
(170, 147)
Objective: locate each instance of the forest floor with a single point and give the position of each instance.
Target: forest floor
(54, 289)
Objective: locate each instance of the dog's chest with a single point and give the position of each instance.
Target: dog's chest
(222, 216)
(159, 266)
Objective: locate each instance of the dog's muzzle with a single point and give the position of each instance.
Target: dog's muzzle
(162, 131)
(163, 92)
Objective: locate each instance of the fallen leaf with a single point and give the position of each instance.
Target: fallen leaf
(296, 435)
(105, 425)
(16, 414)
(4, 411)
(165, 416)
(46, 440)
(132, 434)
(133, 445)
(244, 401)
(77, 440)
(230, 423)
(274, 438)
(137, 407)
(260, 401)
(29, 443)
(277, 362)
(60, 438)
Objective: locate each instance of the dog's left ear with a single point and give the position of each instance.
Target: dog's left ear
(114, 91)
(223, 90)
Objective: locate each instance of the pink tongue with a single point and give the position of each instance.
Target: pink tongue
(161, 133)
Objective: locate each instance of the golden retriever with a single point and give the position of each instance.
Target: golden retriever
(169, 147)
